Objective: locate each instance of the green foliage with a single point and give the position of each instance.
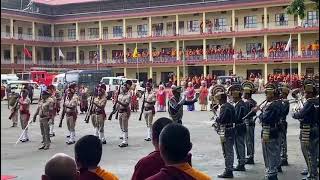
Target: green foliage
(298, 7)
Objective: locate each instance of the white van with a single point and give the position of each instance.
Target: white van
(112, 83)
(58, 81)
(138, 87)
(8, 77)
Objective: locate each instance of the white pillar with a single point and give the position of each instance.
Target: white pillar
(234, 69)
(177, 24)
(299, 21)
(150, 52)
(233, 42)
(124, 52)
(77, 31)
(178, 75)
(204, 49)
(11, 28)
(205, 70)
(52, 31)
(125, 72)
(52, 55)
(12, 53)
(150, 72)
(265, 45)
(233, 19)
(299, 44)
(299, 69)
(178, 50)
(100, 30)
(33, 30)
(100, 53)
(265, 19)
(34, 61)
(204, 22)
(124, 27)
(77, 55)
(265, 73)
(150, 26)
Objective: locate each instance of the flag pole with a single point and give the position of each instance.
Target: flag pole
(24, 60)
(98, 54)
(137, 65)
(290, 60)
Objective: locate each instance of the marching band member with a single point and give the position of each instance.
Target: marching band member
(71, 113)
(51, 90)
(24, 103)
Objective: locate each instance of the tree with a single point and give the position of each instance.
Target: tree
(298, 7)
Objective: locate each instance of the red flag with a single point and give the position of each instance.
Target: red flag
(27, 52)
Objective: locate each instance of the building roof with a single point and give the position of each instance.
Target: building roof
(62, 2)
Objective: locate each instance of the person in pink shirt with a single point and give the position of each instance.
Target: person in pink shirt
(161, 99)
(190, 93)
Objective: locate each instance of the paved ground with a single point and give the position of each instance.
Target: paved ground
(27, 162)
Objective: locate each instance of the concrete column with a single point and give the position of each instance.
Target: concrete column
(124, 27)
(204, 22)
(124, 52)
(52, 55)
(12, 53)
(265, 45)
(100, 29)
(233, 20)
(178, 50)
(100, 53)
(34, 61)
(177, 24)
(205, 70)
(150, 52)
(178, 75)
(125, 72)
(11, 28)
(150, 26)
(77, 31)
(77, 55)
(150, 72)
(265, 73)
(234, 68)
(233, 42)
(299, 69)
(52, 31)
(12, 72)
(204, 49)
(299, 44)
(33, 30)
(265, 19)
(299, 21)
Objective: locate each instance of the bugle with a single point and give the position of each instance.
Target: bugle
(246, 116)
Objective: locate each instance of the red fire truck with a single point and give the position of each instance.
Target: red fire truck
(40, 77)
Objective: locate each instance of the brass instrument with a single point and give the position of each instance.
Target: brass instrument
(297, 95)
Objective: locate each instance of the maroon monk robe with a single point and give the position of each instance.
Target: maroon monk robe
(171, 173)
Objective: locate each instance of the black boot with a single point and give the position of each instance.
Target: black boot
(279, 169)
(273, 177)
(239, 168)
(284, 162)
(304, 172)
(226, 174)
(250, 160)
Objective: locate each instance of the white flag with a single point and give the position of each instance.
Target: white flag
(60, 54)
(288, 45)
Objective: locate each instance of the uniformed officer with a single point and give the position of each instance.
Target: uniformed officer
(24, 103)
(308, 116)
(99, 114)
(270, 119)
(72, 86)
(51, 89)
(71, 114)
(13, 103)
(225, 129)
(123, 108)
(58, 98)
(240, 127)
(149, 110)
(284, 90)
(248, 90)
(175, 104)
(45, 111)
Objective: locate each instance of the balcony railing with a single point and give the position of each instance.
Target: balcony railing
(164, 59)
(5, 61)
(140, 60)
(310, 23)
(5, 35)
(161, 33)
(64, 38)
(282, 54)
(219, 57)
(137, 34)
(23, 36)
(21, 61)
(89, 37)
(310, 54)
(194, 58)
(44, 62)
(44, 38)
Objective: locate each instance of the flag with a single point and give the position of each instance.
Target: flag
(96, 56)
(27, 52)
(135, 52)
(288, 46)
(60, 54)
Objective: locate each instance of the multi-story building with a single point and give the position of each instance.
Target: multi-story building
(218, 37)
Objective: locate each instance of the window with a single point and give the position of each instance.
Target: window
(71, 56)
(193, 26)
(105, 32)
(60, 34)
(312, 18)
(157, 29)
(277, 71)
(29, 31)
(129, 31)
(309, 71)
(94, 33)
(40, 32)
(20, 30)
(19, 55)
(71, 33)
(281, 19)
(7, 31)
(220, 23)
(181, 24)
(251, 46)
(142, 30)
(7, 54)
(117, 31)
(250, 22)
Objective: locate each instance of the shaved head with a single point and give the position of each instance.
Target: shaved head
(60, 167)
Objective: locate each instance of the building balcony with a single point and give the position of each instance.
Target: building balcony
(163, 33)
(44, 62)
(64, 38)
(5, 61)
(22, 61)
(44, 38)
(137, 34)
(194, 58)
(89, 37)
(5, 35)
(164, 59)
(311, 53)
(140, 60)
(23, 36)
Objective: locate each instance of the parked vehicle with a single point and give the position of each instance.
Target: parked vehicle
(59, 81)
(8, 77)
(17, 86)
(40, 77)
(112, 83)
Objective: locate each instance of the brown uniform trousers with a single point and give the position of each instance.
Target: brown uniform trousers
(149, 113)
(124, 114)
(99, 116)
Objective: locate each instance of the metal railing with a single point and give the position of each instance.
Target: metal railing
(164, 59)
(140, 60)
(219, 57)
(44, 38)
(194, 58)
(21, 61)
(22, 36)
(44, 62)
(5, 35)
(5, 61)
(282, 54)
(312, 53)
